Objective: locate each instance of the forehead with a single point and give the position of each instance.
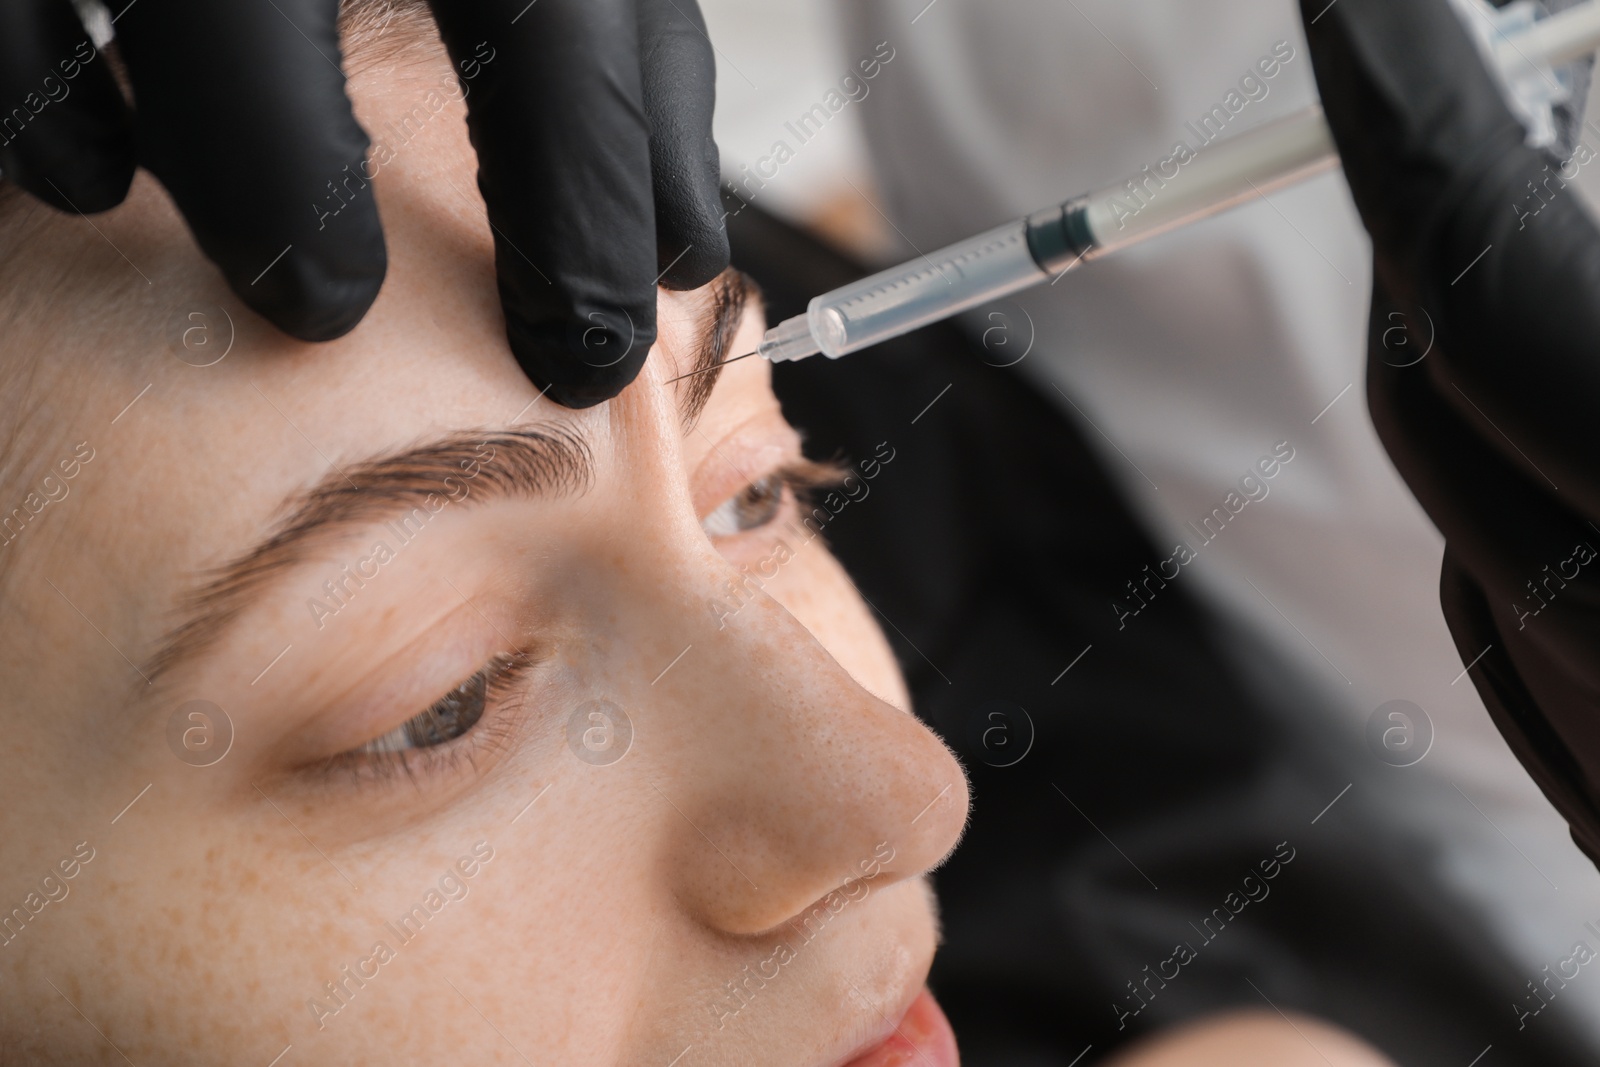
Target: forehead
(126, 285)
(430, 355)
(192, 461)
(274, 414)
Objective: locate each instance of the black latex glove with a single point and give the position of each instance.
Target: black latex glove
(1497, 428)
(592, 122)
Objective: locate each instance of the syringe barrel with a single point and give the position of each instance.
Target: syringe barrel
(1229, 172)
(927, 289)
(1025, 252)
(1181, 189)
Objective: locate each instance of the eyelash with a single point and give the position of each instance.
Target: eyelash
(493, 726)
(796, 482)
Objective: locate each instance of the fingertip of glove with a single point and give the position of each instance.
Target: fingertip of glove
(576, 397)
(80, 184)
(704, 260)
(691, 230)
(579, 364)
(309, 299)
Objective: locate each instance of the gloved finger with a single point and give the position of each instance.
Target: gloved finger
(680, 73)
(241, 113)
(1439, 170)
(1546, 717)
(556, 114)
(65, 134)
(1532, 626)
(1513, 279)
(1513, 531)
(1408, 120)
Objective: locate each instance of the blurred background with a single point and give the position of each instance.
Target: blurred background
(1161, 759)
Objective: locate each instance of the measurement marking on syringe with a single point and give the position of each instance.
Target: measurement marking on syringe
(922, 277)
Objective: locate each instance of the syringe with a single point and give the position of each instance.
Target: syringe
(1048, 243)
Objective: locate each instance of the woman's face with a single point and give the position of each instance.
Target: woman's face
(384, 711)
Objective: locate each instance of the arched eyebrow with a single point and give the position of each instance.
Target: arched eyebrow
(731, 291)
(406, 488)
(469, 467)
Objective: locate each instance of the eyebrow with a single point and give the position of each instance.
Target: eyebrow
(406, 487)
(731, 291)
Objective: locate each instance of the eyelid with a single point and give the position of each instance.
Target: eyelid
(809, 475)
(355, 701)
(497, 727)
(494, 677)
(754, 449)
(801, 480)
(801, 474)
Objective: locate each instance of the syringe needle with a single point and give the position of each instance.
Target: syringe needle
(713, 366)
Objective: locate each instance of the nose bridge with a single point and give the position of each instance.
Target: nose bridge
(775, 777)
(788, 779)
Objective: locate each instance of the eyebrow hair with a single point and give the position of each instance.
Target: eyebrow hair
(731, 291)
(522, 463)
(519, 463)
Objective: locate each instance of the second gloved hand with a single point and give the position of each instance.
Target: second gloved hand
(1484, 364)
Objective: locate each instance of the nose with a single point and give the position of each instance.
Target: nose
(783, 779)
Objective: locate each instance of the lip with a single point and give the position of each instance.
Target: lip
(920, 1034)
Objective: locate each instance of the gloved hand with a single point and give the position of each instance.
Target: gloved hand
(592, 125)
(1483, 250)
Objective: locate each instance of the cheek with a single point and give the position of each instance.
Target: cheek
(814, 589)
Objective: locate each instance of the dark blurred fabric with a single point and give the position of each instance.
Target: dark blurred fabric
(991, 548)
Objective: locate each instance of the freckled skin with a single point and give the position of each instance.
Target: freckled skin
(606, 925)
(770, 765)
